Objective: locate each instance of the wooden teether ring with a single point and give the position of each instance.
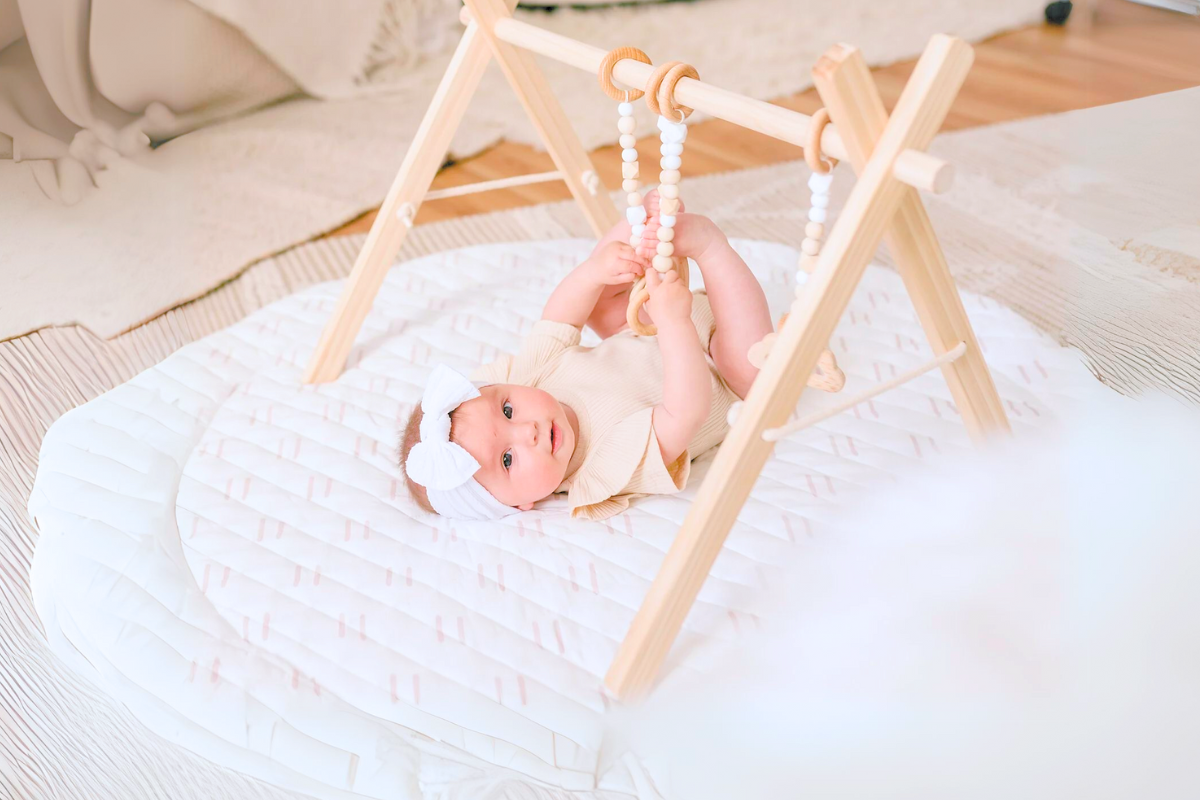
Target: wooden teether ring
(812, 147)
(656, 79)
(666, 90)
(605, 73)
(640, 293)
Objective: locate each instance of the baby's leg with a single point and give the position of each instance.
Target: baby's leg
(738, 303)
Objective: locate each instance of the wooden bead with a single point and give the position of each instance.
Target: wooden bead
(809, 247)
(668, 190)
(629, 171)
(661, 263)
(629, 186)
(635, 241)
(668, 205)
(628, 140)
(634, 199)
(666, 234)
(669, 176)
(627, 124)
(807, 263)
(665, 248)
(814, 230)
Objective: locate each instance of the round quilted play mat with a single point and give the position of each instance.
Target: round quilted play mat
(234, 555)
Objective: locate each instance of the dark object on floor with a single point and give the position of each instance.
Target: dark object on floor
(1057, 13)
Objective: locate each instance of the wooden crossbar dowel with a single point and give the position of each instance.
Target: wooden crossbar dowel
(488, 186)
(916, 168)
(851, 244)
(775, 434)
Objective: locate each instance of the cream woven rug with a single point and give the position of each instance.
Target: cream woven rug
(166, 227)
(1084, 222)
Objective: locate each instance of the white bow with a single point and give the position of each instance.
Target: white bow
(436, 462)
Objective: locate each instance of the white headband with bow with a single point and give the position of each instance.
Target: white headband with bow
(444, 468)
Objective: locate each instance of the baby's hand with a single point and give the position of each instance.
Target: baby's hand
(616, 263)
(670, 301)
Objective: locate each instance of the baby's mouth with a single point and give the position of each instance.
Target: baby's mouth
(555, 438)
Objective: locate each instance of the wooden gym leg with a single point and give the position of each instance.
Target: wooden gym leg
(845, 85)
(387, 234)
(851, 244)
(547, 115)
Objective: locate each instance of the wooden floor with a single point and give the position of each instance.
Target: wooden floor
(1123, 51)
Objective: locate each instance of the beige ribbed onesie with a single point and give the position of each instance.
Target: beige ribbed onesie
(613, 389)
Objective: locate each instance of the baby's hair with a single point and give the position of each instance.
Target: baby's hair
(408, 440)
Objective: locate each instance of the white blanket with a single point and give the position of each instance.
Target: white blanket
(234, 555)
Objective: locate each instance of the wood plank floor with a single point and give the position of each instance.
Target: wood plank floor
(1122, 52)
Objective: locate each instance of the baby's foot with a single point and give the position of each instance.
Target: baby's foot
(649, 243)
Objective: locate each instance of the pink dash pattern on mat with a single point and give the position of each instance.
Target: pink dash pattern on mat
(341, 626)
(192, 674)
(395, 694)
(562, 648)
(595, 578)
(521, 687)
(317, 576)
(499, 690)
(266, 626)
(296, 577)
(408, 576)
(916, 445)
(537, 634)
(416, 688)
(437, 623)
(500, 576)
(216, 671)
(571, 574)
(295, 678)
(462, 630)
(388, 580)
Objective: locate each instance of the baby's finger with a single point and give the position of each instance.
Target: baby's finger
(653, 279)
(633, 265)
(670, 276)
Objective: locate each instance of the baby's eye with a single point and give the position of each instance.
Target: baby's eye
(507, 460)
(508, 409)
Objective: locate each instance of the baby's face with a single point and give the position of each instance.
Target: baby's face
(521, 438)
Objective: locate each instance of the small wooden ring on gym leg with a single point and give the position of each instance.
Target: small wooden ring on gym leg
(605, 73)
(656, 79)
(666, 90)
(812, 148)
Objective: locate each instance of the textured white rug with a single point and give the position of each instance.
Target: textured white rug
(169, 226)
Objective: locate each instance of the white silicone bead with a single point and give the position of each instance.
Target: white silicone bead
(636, 215)
(668, 190)
(625, 109)
(637, 229)
(629, 155)
(671, 149)
(814, 230)
(670, 162)
(628, 140)
(801, 278)
(665, 248)
(665, 234)
(634, 198)
(732, 414)
(661, 263)
(626, 124)
(816, 214)
(667, 220)
(810, 246)
(629, 185)
(820, 183)
(820, 200)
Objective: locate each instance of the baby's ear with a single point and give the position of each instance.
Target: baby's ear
(525, 506)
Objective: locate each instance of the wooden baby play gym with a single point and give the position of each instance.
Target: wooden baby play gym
(886, 153)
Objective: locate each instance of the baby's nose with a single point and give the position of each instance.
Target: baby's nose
(531, 432)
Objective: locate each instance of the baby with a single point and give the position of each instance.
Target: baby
(607, 423)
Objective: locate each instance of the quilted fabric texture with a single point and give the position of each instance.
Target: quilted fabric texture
(234, 555)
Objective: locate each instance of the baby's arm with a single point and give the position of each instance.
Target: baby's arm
(574, 299)
(687, 388)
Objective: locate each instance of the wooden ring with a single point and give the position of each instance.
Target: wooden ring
(812, 148)
(666, 89)
(656, 79)
(605, 73)
(639, 294)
